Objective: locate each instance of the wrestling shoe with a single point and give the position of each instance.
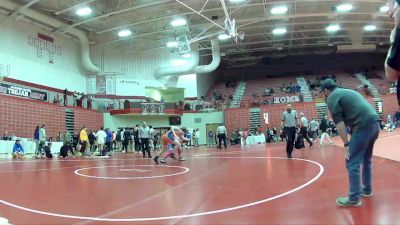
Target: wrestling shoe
(156, 159)
(367, 194)
(173, 156)
(181, 159)
(163, 161)
(345, 202)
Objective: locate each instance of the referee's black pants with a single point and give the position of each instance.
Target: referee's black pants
(290, 139)
(221, 137)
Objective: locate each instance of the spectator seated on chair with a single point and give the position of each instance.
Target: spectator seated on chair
(18, 150)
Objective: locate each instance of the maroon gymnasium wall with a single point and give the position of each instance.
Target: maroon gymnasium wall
(21, 116)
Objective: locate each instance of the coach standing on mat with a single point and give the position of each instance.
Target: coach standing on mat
(289, 124)
(351, 109)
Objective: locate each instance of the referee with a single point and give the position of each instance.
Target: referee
(221, 134)
(350, 109)
(289, 124)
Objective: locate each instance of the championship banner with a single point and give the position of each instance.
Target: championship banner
(286, 99)
(153, 108)
(22, 92)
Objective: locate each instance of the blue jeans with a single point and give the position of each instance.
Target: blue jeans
(361, 146)
(210, 141)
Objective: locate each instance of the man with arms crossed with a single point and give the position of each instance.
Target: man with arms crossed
(351, 109)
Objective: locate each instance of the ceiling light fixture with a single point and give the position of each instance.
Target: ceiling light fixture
(332, 28)
(370, 28)
(223, 37)
(178, 22)
(279, 10)
(279, 31)
(172, 44)
(84, 11)
(187, 55)
(344, 8)
(124, 33)
(384, 9)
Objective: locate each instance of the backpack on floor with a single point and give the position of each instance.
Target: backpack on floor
(299, 142)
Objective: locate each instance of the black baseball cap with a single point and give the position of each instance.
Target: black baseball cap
(329, 84)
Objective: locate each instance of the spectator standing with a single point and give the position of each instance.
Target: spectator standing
(211, 137)
(68, 142)
(136, 137)
(65, 97)
(101, 140)
(108, 142)
(83, 140)
(196, 137)
(314, 128)
(114, 141)
(36, 140)
(42, 135)
(92, 141)
(304, 127)
(127, 137)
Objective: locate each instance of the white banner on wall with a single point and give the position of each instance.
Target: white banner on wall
(286, 99)
(128, 87)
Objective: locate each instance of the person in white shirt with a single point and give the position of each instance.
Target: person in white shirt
(221, 134)
(151, 137)
(101, 139)
(304, 127)
(196, 136)
(42, 135)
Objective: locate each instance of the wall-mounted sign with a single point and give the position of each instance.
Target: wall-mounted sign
(45, 44)
(286, 99)
(13, 90)
(153, 108)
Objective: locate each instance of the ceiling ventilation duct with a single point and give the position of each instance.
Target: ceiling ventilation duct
(80, 35)
(192, 67)
(216, 55)
(179, 70)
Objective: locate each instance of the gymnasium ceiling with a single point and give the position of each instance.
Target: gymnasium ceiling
(149, 20)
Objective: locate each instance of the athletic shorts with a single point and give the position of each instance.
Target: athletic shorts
(169, 139)
(393, 59)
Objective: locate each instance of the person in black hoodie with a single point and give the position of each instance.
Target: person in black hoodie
(136, 137)
(127, 138)
(324, 126)
(92, 140)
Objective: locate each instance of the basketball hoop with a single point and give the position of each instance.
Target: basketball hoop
(183, 44)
